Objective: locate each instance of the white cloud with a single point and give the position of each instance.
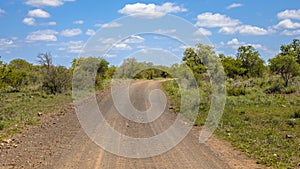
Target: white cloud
(235, 44)
(52, 23)
(234, 5)
(134, 39)
(289, 14)
(43, 3)
(291, 33)
(287, 24)
(109, 55)
(38, 13)
(244, 30)
(111, 25)
(42, 35)
(211, 20)
(121, 46)
(202, 31)
(107, 41)
(165, 31)
(29, 21)
(2, 11)
(151, 10)
(79, 22)
(234, 41)
(90, 32)
(71, 32)
(5, 43)
(72, 46)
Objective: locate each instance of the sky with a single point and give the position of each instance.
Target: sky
(152, 30)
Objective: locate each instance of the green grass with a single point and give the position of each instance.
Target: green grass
(256, 123)
(20, 109)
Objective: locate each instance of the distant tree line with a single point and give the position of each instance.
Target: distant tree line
(248, 62)
(45, 76)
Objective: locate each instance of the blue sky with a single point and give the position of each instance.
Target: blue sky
(63, 27)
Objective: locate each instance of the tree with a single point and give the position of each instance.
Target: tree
(55, 79)
(232, 67)
(193, 61)
(90, 67)
(251, 61)
(292, 49)
(20, 73)
(286, 66)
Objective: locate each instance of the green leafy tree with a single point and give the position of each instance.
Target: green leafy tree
(193, 61)
(232, 67)
(251, 61)
(20, 73)
(292, 49)
(286, 66)
(92, 67)
(55, 79)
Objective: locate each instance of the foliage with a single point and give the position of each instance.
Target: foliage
(292, 49)
(192, 59)
(251, 61)
(232, 67)
(286, 66)
(56, 79)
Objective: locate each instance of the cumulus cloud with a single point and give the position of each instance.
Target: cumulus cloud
(234, 5)
(134, 39)
(244, 30)
(90, 32)
(150, 10)
(29, 21)
(44, 3)
(71, 32)
(52, 23)
(235, 43)
(111, 25)
(2, 11)
(202, 31)
(42, 35)
(289, 14)
(121, 46)
(165, 31)
(211, 20)
(79, 22)
(287, 24)
(38, 13)
(290, 33)
(6, 43)
(72, 46)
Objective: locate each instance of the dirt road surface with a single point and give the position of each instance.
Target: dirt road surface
(60, 142)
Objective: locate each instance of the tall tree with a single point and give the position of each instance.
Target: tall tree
(193, 61)
(286, 66)
(232, 67)
(292, 49)
(251, 61)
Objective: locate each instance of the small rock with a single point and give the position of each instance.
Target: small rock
(289, 136)
(15, 145)
(40, 114)
(7, 141)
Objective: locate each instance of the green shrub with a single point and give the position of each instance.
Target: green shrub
(297, 113)
(276, 88)
(236, 91)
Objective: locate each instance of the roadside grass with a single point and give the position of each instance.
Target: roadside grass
(264, 126)
(20, 109)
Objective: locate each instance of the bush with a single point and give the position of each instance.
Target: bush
(276, 88)
(236, 91)
(297, 114)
